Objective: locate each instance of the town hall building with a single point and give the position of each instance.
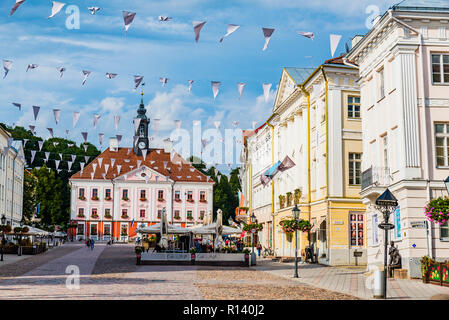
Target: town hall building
(124, 188)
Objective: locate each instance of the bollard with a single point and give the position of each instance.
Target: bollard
(378, 284)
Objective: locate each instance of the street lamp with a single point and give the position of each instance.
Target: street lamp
(3, 219)
(386, 203)
(19, 252)
(446, 183)
(296, 212)
(253, 255)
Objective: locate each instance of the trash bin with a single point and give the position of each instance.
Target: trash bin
(378, 284)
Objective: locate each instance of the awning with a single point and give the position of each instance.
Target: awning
(316, 225)
(210, 229)
(156, 229)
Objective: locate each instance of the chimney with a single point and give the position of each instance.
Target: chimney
(113, 144)
(356, 40)
(168, 145)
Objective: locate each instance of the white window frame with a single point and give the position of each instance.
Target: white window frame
(444, 226)
(445, 137)
(353, 161)
(441, 66)
(353, 104)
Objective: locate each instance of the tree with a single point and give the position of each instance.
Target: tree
(29, 203)
(49, 195)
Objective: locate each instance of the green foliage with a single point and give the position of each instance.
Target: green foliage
(426, 263)
(29, 195)
(251, 226)
(225, 191)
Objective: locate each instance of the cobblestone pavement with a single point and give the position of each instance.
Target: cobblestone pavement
(110, 272)
(224, 283)
(28, 263)
(354, 281)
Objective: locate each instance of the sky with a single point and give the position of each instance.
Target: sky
(156, 49)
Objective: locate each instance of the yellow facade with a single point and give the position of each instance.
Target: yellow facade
(329, 198)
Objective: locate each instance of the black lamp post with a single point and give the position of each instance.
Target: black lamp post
(19, 252)
(386, 203)
(3, 219)
(296, 212)
(446, 183)
(253, 255)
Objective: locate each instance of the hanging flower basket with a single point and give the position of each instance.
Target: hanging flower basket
(437, 210)
(251, 226)
(290, 226)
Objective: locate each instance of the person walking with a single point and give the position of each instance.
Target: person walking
(88, 243)
(92, 243)
(259, 248)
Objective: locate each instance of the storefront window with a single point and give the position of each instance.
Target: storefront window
(356, 229)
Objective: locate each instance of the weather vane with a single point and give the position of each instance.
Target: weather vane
(143, 84)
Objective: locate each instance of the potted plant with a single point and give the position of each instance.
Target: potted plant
(94, 215)
(82, 198)
(297, 196)
(125, 199)
(289, 199)
(125, 216)
(143, 199)
(25, 230)
(178, 199)
(6, 228)
(108, 216)
(189, 217)
(426, 263)
(281, 201)
(203, 200)
(160, 199)
(177, 217)
(190, 200)
(250, 226)
(108, 198)
(95, 198)
(193, 252)
(80, 215)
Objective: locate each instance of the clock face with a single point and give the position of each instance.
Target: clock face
(141, 145)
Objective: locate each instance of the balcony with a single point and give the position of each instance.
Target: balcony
(376, 177)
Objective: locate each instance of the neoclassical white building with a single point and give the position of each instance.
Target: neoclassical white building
(404, 78)
(12, 163)
(257, 158)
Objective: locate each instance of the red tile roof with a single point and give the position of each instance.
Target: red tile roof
(180, 169)
(336, 60)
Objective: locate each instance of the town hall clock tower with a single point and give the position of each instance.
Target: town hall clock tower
(142, 142)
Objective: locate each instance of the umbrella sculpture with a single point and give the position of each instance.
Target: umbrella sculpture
(218, 244)
(163, 243)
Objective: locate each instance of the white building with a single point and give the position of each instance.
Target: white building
(257, 158)
(404, 80)
(11, 178)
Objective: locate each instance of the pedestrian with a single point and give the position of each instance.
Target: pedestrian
(259, 248)
(92, 243)
(88, 243)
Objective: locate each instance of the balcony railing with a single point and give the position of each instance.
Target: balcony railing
(378, 176)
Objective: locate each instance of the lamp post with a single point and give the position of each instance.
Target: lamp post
(19, 252)
(446, 183)
(296, 212)
(253, 254)
(386, 203)
(3, 219)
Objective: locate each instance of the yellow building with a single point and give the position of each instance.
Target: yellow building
(316, 121)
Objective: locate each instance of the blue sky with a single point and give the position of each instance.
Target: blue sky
(161, 49)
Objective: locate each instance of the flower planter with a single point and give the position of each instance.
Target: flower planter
(107, 216)
(108, 198)
(95, 198)
(203, 201)
(125, 199)
(143, 199)
(125, 217)
(80, 216)
(160, 199)
(82, 198)
(177, 200)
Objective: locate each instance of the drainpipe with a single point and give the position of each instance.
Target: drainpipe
(309, 198)
(273, 235)
(113, 211)
(326, 83)
(423, 125)
(13, 182)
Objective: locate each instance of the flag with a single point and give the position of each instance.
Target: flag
(286, 164)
